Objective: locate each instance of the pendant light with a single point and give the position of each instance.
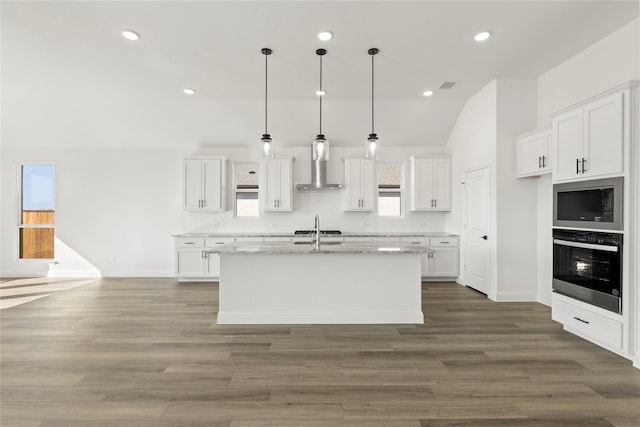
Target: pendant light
(267, 149)
(320, 147)
(372, 145)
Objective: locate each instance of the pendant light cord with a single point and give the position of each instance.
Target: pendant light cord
(372, 115)
(321, 95)
(265, 94)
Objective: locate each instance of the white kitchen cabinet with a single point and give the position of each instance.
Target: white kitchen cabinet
(359, 188)
(192, 260)
(443, 260)
(593, 323)
(430, 184)
(532, 153)
(278, 185)
(204, 184)
(589, 139)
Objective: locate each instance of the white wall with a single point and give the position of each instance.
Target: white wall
(609, 62)
(472, 145)
(126, 203)
(484, 136)
(516, 198)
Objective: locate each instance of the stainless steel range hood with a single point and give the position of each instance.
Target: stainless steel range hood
(318, 178)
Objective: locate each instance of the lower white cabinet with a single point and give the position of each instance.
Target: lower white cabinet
(443, 260)
(592, 323)
(192, 260)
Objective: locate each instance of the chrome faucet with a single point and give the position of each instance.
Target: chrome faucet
(316, 227)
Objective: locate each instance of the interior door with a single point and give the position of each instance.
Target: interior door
(477, 194)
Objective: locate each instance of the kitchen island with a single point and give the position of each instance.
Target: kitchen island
(289, 283)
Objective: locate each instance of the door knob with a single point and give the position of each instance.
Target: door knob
(484, 237)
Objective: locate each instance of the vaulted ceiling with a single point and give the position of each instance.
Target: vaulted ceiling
(69, 78)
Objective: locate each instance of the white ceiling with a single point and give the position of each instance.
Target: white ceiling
(70, 79)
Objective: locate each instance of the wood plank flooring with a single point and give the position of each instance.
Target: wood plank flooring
(148, 352)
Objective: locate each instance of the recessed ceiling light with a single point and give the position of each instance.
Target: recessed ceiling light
(189, 91)
(482, 36)
(428, 93)
(321, 92)
(130, 35)
(325, 35)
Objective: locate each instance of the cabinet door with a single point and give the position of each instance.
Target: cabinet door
(546, 151)
(278, 185)
(367, 184)
(192, 182)
(604, 138)
(359, 177)
(285, 173)
(212, 171)
(189, 263)
(272, 185)
(442, 184)
(568, 145)
(422, 173)
(444, 262)
(529, 151)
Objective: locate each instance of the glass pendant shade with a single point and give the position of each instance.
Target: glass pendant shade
(267, 150)
(372, 147)
(320, 148)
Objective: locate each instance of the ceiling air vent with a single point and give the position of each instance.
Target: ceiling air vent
(447, 85)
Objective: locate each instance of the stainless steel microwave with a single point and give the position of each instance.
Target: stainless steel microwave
(593, 204)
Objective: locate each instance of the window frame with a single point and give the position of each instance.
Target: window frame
(19, 219)
(400, 189)
(237, 190)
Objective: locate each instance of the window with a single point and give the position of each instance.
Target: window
(37, 211)
(390, 189)
(245, 181)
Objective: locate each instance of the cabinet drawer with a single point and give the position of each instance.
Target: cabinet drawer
(211, 243)
(588, 323)
(443, 241)
(186, 242)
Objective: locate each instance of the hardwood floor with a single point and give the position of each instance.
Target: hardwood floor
(147, 352)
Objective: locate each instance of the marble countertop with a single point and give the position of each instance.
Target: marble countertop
(344, 234)
(248, 248)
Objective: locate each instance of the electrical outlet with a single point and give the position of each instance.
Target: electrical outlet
(422, 224)
(274, 224)
(112, 258)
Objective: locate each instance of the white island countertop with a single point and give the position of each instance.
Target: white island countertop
(248, 248)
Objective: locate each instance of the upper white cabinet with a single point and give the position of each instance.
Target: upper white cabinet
(278, 184)
(589, 139)
(204, 184)
(532, 153)
(359, 185)
(430, 184)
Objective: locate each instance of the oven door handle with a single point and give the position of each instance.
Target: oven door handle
(585, 245)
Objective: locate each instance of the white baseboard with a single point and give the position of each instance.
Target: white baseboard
(324, 317)
(74, 273)
(516, 297)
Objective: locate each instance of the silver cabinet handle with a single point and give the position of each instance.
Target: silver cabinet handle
(583, 169)
(435, 203)
(581, 320)
(577, 166)
(544, 161)
(539, 162)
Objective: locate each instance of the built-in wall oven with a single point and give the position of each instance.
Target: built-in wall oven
(593, 204)
(587, 265)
